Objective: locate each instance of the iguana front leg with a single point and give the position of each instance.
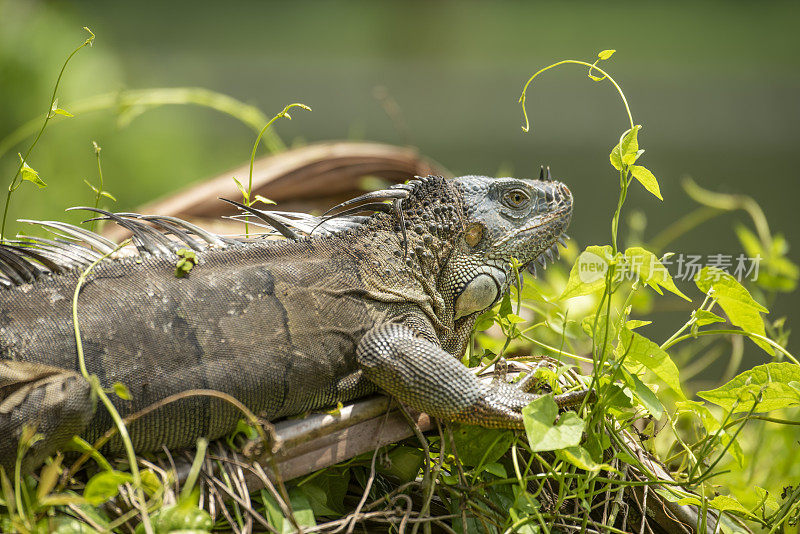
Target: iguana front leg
(421, 374)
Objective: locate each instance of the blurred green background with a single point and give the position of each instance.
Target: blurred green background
(715, 85)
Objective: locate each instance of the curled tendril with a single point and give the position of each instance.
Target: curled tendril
(592, 67)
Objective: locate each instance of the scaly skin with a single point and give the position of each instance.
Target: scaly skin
(285, 327)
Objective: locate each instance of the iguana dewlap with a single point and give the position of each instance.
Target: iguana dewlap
(345, 306)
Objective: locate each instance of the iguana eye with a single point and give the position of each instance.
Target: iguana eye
(516, 198)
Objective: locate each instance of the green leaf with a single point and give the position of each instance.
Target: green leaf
(241, 189)
(605, 54)
(750, 243)
(505, 306)
(79, 444)
(471, 522)
(61, 524)
(530, 290)
(303, 513)
(705, 317)
(726, 503)
(485, 320)
(264, 200)
(105, 485)
(640, 351)
(636, 323)
(326, 491)
(92, 187)
(538, 418)
(647, 179)
(337, 410)
(150, 482)
(403, 463)
(711, 425)
(273, 511)
(29, 175)
(776, 271)
(769, 503)
(645, 395)
(651, 271)
(770, 381)
(580, 458)
(48, 477)
(616, 397)
(588, 274)
(8, 491)
(524, 505)
(629, 145)
(55, 110)
(496, 469)
(108, 195)
(480, 446)
(184, 517)
(735, 300)
(122, 391)
(514, 319)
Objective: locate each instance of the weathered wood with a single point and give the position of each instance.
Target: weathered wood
(321, 441)
(313, 177)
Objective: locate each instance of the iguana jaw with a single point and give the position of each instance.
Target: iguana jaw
(538, 242)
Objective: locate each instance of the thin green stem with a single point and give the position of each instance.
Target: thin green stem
(708, 472)
(790, 422)
(556, 350)
(194, 471)
(623, 195)
(686, 325)
(100, 189)
(50, 113)
(5, 209)
(735, 332)
(248, 196)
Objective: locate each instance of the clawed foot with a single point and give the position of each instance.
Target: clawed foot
(502, 402)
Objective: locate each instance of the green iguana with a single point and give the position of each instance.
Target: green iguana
(347, 305)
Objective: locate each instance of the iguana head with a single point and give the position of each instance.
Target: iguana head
(514, 218)
(506, 219)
